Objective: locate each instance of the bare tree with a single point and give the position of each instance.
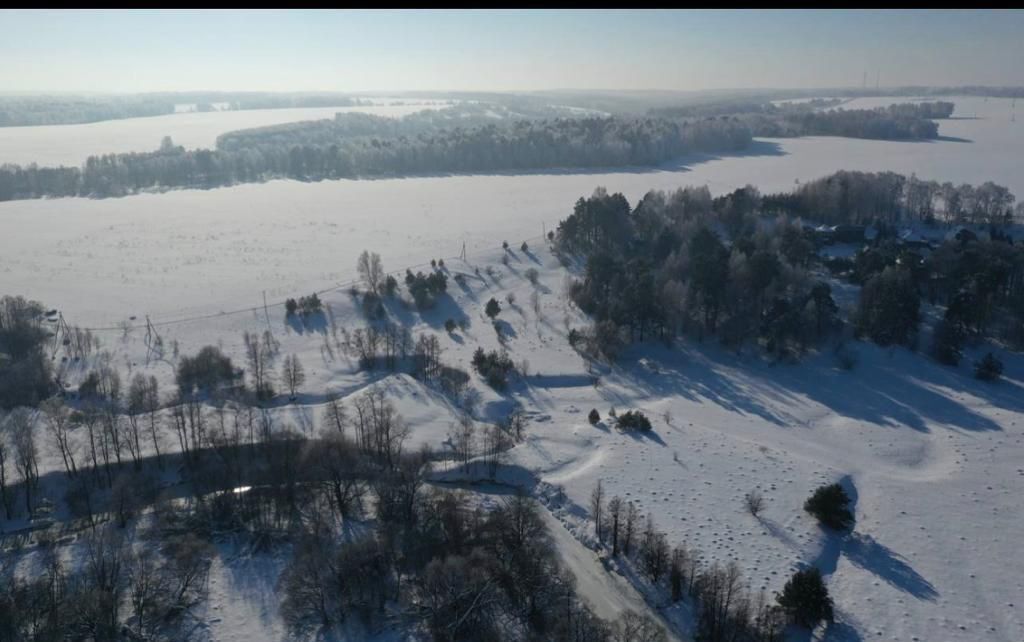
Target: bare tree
(654, 550)
(517, 422)
(371, 271)
(427, 356)
(381, 431)
(496, 442)
(4, 458)
(631, 518)
(151, 406)
(633, 627)
(463, 439)
(258, 355)
(106, 554)
(135, 409)
(293, 374)
(58, 424)
(597, 509)
(615, 506)
(754, 502)
(147, 586)
(339, 465)
(189, 559)
(21, 425)
(335, 414)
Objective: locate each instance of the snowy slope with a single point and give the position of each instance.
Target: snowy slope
(931, 455)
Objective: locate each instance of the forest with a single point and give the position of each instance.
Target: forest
(463, 140)
(358, 145)
(905, 121)
(686, 263)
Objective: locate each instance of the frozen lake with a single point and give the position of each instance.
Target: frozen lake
(200, 252)
(53, 145)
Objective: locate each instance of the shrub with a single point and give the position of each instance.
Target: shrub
(425, 288)
(754, 502)
(524, 247)
(205, 371)
(449, 326)
(390, 285)
(310, 304)
(634, 420)
(494, 367)
(532, 274)
(805, 598)
(504, 245)
(829, 505)
(989, 368)
(306, 305)
(594, 417)
(492, 309)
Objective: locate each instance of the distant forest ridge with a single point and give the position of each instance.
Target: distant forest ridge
(66, 109)
(466, 139)
(19, 111)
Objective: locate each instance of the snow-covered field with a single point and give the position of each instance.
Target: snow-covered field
(52, 145)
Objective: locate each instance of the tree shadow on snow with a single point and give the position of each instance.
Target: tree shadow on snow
(300, 324)
(864, 552)
(889, 389)
(679, 376)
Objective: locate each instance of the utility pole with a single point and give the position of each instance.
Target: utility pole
(153, 341)
(266, 313)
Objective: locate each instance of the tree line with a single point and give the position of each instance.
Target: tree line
(904, 121)
(862, 198)
(22, 111)
(356, 145)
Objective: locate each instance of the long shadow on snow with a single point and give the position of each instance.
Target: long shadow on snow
(896, 390)
(866, 553)
(694, 382)
(888, 391)
(299, 324)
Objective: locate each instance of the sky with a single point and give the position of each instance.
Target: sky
(508, 50)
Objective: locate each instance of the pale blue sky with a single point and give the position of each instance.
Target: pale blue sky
(151, 50)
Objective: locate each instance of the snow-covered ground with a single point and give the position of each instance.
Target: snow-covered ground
(931, 456)
(203, 251)
(52, 145)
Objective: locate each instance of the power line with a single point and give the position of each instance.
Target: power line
(202, 317)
